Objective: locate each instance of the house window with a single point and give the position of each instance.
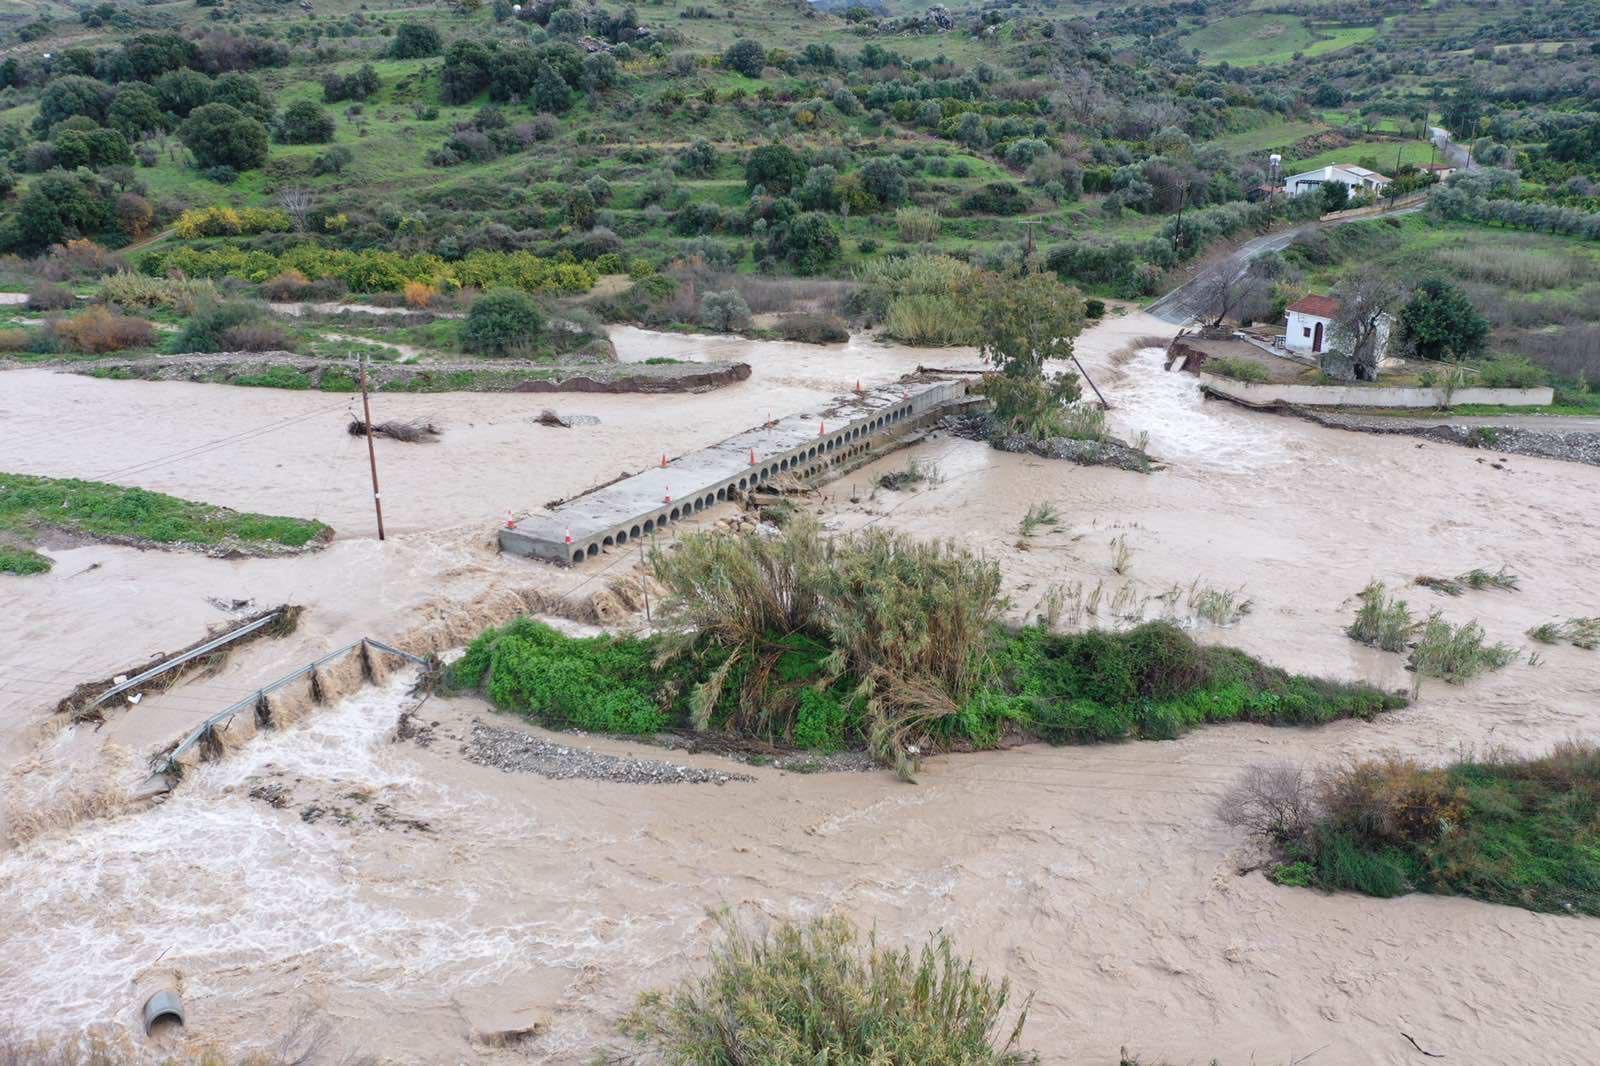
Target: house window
(1306, 332)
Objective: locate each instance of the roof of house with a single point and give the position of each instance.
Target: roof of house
(1316, 306)
(1348, 169)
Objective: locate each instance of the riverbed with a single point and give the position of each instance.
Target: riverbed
(1098, 879)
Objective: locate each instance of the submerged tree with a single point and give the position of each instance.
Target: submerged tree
(1025, 322)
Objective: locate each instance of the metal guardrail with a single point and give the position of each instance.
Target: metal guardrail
(227, 713)
(194, 653)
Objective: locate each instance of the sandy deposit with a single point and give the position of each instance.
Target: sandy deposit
(1096, 877)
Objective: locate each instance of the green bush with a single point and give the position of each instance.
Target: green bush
(208, 328)
(21, 562)
(603, 684)
(223, 136)
(1237, 369)
(1511, 372)
(500, 322)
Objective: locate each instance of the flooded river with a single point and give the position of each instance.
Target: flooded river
(477, 901)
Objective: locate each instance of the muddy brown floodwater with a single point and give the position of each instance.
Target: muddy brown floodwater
(414, 898)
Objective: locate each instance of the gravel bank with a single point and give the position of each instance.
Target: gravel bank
(514, 751)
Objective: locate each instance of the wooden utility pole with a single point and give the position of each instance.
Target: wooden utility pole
(372, 452)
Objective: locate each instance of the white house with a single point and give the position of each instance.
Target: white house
(1311, 329)
(1357, 179)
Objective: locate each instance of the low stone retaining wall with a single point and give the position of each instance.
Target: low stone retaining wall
(1373, 395)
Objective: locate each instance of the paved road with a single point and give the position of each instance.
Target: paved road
(1188, 301)
(1455, 154)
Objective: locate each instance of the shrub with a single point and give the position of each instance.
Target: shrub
(813, 329)
(415, 40)
(817, 993)
(419, 295)
(605, 684)
(257, 335)
(231, 222)
(285, 287)
(99, 329)
(1271, 800)
(1093, 308)
(48, 297)
(501, 321)
(724, 312)
(305, 122)
(1511, 372)
(207, 329)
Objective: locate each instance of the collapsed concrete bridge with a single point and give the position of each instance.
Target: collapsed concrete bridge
(800, 446)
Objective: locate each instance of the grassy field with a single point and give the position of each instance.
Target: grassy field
(31, 506)
(1417, 153)
(1260, 40)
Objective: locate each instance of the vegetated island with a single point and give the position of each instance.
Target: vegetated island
(39, 510)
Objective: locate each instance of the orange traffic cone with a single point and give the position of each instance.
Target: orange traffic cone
(752, 457)
(569, 536)
(668, 497)
(510, 522)
(663, 460)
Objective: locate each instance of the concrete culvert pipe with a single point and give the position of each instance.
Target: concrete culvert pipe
(165, 1006)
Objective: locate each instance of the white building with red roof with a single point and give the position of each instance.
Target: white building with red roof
(1310, 327)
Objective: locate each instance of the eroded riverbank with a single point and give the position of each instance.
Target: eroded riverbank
(1097, 877)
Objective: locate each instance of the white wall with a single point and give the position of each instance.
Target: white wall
(1374, 395)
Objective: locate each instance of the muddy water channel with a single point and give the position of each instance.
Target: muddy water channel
(419, 901)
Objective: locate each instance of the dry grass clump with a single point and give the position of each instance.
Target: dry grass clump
(287, 286)
(1220, 607)
(1382, 621)
(819, 993)
(260, 335)
(1039, 515)
(809, 327)
(100, 329)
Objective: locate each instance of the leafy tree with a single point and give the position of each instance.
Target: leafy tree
(776, 167)
(58, 207)
(305, 122)
(501, 321)
(243, 92)
(819, 192)
(1439, 322)
(1335, 196)
(807, 242)
(91, 148)
(698, 160)
(1364, 299)
(884, 182)
(134, 112)
(600, 71)
(468, 67)
(69, 96)
(550, 91)
(1024, 322)
(746, 56)
(413, 40)
(724, 311)
(220, 135)
(580, 209)
(150, 55)
(181, 91)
